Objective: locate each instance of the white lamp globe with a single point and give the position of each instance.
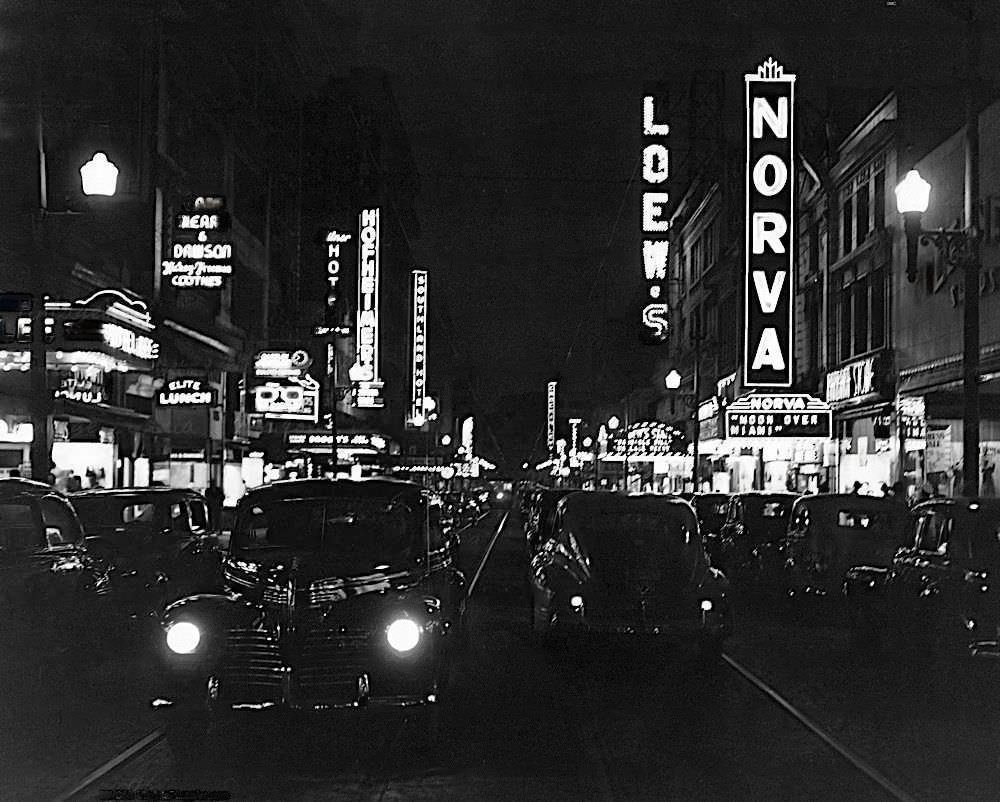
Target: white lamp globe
(912, 194)
(99, 176)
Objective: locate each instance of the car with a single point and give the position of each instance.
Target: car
(628, 566)
(341, 595)
(938, 598)
(831, 533)
(750, 542)
(48, 582)
(711, 511)
(539, 525)
(157, 542)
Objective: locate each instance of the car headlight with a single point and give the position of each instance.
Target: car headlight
(183, 637)
(403, 634)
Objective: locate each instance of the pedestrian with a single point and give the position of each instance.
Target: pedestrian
(899, 489)
(987, 488)
(214, 497)
(824, 485)
(885, 490)
(856, 490)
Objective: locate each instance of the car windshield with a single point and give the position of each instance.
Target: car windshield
(617, 540)
(359, 530)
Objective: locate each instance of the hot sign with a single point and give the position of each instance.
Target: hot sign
(770, 186)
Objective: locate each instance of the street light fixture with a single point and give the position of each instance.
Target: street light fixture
(614, 423)
(672, 380)
(99, 176)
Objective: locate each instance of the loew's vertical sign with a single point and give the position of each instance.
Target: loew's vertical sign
(770, 187)
(655, 228)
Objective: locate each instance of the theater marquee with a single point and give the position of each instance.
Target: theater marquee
(770, 187)
(778, 415)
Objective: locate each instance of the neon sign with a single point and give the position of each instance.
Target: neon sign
(138, 345)
(186, 393)
(770, 187)
(655, 246)
(551, 420)
(365, 372)
(201, 254)
(333, 242)
(778, 415)
(418, 383)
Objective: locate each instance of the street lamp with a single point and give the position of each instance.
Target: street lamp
(959, 247)
(614, 423)
(99, 176)
(672, 380)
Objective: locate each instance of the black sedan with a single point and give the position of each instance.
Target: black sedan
(632, 566)
(342, 595)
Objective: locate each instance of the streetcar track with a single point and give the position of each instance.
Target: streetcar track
(855, 760)
(132, 752)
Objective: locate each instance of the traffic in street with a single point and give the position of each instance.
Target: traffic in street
(788, 710)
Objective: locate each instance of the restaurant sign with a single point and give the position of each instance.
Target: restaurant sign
(778, 415)
(186, 392)
(648, 439)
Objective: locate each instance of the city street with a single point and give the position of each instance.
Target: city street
(526, 724)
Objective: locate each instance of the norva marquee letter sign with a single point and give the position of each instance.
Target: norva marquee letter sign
(770, 187)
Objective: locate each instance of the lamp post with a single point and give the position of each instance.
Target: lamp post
(960, 249)
(672, 381)
(98, 176)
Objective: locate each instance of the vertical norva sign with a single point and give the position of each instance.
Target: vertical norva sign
(770, 191)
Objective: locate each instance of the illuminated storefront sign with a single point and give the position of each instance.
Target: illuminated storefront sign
(864, 377)
(84, 384)
(708, 419)
(778, 415)
(294, 398)
(357, 440)
(281, 363)
(551, 420)
(655, 245)
(201, 252)
(418, 374)
(336, 246)
(912, 417)
(770, 187)
(468, 436)
(365, 372)
(647, 439)
(186, 392)
(127, 341)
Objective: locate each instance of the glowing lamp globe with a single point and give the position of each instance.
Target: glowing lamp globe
(446, 439)
(912, 194)
(613, 422)
(672, 380)
(430, 403)
(99, 176)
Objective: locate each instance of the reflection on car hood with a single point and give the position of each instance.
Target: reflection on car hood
(323, 576)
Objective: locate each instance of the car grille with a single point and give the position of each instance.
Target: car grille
(323, 666)
(252, 669)
(275, 594)
(325, 592)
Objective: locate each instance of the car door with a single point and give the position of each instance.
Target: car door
(917, 568)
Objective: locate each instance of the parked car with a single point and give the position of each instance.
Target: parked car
(539, 526)
(48, 581)
(342, 594)
(829, 534)
(632, 566)
(711, 511)
(156, 541)
(939, 596)
(749, 547)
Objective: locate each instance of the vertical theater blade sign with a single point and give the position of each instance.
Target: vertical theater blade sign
(655, 245)
(364, 373)
(418, 368)
(770, 184)
(769, 275)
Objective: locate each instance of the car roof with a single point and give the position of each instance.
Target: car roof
(332, 488)
(581, 502)
(988, 504)
(855, 500)
(155, 490)
(16, 486)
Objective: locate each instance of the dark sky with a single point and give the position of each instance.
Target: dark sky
(524, 119)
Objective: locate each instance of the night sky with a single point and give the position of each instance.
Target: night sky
(525, 125)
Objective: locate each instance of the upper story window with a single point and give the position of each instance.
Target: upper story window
(862, 205)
